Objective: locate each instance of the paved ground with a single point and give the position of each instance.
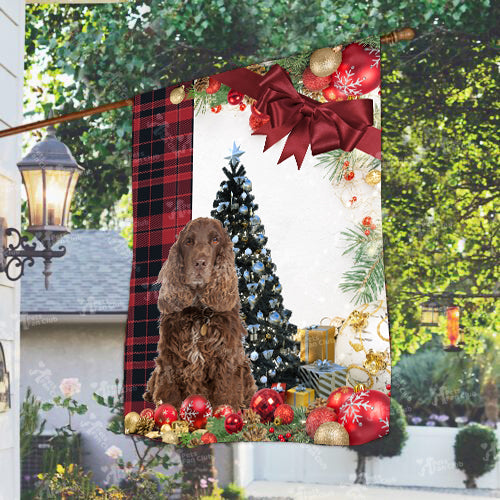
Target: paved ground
(259, 490)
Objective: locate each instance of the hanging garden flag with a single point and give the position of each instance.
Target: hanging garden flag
(257, 296)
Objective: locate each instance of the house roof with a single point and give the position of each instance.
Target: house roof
(92, 278)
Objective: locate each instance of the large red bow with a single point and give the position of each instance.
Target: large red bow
(324, 126)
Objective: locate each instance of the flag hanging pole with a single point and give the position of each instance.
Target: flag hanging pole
(393, 37)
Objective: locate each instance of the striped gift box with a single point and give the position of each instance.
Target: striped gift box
(323, 376)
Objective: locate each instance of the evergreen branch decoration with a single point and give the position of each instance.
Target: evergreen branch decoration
(203, 101)
(366, 278)
(295, 65)
(335, 163)
(370, 41)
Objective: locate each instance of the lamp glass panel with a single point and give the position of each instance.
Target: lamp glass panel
(71, 192)
(55, 194)
(34, 190)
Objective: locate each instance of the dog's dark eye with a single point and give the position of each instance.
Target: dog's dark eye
(215, 240)
(189, 242)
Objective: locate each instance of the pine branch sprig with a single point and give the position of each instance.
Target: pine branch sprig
(203, 102)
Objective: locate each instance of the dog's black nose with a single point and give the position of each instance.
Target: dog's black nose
(200, 263)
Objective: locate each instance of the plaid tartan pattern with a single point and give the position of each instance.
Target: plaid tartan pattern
(162, 172)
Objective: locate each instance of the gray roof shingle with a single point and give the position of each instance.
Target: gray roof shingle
(92, 278)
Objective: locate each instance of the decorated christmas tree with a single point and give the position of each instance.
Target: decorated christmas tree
(269, 344)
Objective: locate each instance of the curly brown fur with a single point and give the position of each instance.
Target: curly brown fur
(199, 281)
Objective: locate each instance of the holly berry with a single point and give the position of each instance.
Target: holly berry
(373, 226)
(354, 198)
(367, 232)
(281, 437)
(216, 109)
(288, 435)
(388, 387)
(346, 163)
(213, 86)
(349, 176)
(367, 221)
(271, 430)
(389, 393)
(243, 106)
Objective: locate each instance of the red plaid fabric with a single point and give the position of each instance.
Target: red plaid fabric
(162, 172)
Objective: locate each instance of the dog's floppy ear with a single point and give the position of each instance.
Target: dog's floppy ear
(221, 293)
(174, 294)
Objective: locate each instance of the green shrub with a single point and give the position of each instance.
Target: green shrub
(476, 452)
(233, 492)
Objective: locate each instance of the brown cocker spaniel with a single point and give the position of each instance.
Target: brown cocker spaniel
(200, 350)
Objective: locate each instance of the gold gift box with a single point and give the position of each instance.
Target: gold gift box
(317, 342)
(299, 396)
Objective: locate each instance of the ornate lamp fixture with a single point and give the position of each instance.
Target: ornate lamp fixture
(50, 174)
(429, 313)
(453, 329)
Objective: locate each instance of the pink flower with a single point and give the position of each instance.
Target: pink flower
(114, 452)
(203, 483)
(70, 387)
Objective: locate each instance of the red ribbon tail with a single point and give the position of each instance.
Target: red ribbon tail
(297, 143)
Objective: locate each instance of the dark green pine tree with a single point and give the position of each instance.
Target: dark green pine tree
(269, 344)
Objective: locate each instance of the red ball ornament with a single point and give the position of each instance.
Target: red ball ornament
(165, 414)
(349, 176)
(367, 221)
(216, 109)
(195, 410)
(332, 93)
(359, 72)
(234, 97)
(213, 86)
(271, 430)
(317, 417)
(208, 438)
(313, 82)
(257, 121)
(233, 423)
(222, 411)
(243, 106)
(367, 232)
(388, 387)
(365, 416)
(148, 413)
(338, 397)
(264, 403)
(285, 413)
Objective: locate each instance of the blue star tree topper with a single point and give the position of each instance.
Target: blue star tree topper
(234, 154)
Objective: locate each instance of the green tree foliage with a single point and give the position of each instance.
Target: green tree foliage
(476, 452)
(440, 183)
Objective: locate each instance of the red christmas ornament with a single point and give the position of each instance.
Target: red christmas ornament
(359, 72)
(148, 413)
(213, 86)
(208, 438)
(195, 410)
(165, 414)
(285, 412)
(332, 93)
(367, 221)
(257, 121)
(349, 176)
(338, 397)
(243, 106)
(233, 423)
(367, 232)
(222, 411)
(216, 109)
(234, 97)
(365, 416)
(317, 417)
(264, 403)
(313, 82)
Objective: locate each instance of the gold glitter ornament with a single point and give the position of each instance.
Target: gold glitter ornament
(373, 177)
(325, 61)
(332, 434)
(177, 95)
(375, 362)
(165, 428)
(131, 420)
(358, 320)
(359, 388)
(170, 437)
(180, 427)
(153, 435)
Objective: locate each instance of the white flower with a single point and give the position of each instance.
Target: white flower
(70, 386)
(114, 452)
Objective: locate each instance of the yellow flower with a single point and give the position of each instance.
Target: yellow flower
(40, 476)
(60, 469)
(70, 468)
